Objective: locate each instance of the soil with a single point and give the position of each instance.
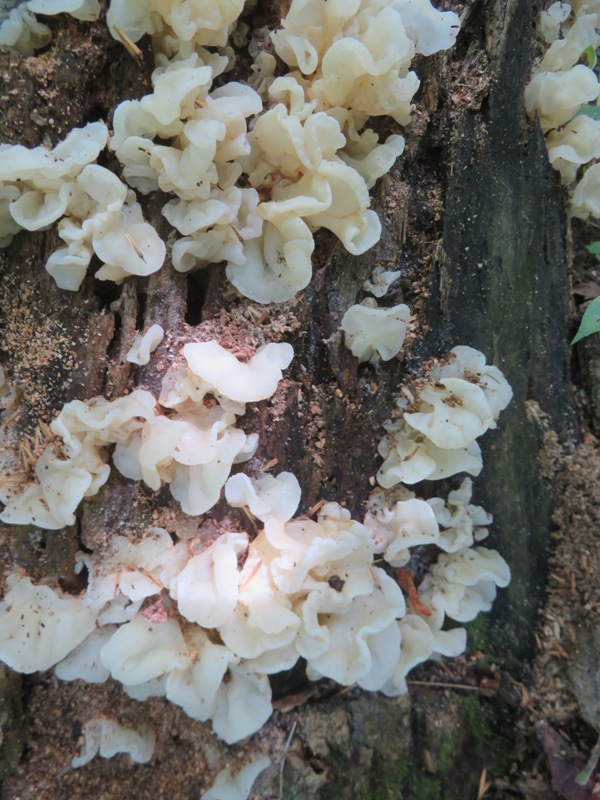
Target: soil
(562, 695)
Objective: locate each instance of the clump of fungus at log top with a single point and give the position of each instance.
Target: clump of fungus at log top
(202, 621)
(308, 149)
(563, 94)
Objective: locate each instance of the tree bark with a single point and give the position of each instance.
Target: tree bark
(474, 217)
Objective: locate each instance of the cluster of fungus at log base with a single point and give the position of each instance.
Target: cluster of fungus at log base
(563, 93)
(205, 623)
(170, 615)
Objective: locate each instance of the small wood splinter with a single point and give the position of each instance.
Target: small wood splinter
(312, 511)
(130, 46)
(26, 456)
(269, 465)
(412, 454)
(249, 514)
(46, 431)
(247, 580)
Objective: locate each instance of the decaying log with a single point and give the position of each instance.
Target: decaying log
(474, 217)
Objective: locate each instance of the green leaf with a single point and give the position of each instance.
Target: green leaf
(590, 55)
(589, 111)
(594, 249)
(590, 322)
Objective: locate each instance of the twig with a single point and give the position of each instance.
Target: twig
(313, 510)
(434, 685)
(285, 749)
(269, 465)
(237, 233)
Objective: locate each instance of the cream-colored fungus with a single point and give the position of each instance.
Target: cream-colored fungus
(564, 92)
(106, 738)
(236, 787)
(98, 214)
(192, 450)
(374, 333)
(309, 149)
(457, 402)
(145, 344)
(306, 589)
(252, 195)
(380, 281)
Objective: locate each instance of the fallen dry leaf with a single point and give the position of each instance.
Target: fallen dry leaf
(588, 290)
(565, 764)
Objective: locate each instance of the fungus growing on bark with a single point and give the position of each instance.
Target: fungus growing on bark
(144, 345)
(374, 333)
(106, 738)
(456, 403)
(98, 214)
(563, 94)
(238, 787)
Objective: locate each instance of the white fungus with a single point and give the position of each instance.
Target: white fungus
(247, 382)
(144, 345)
(586, 196)
(552, 18)
(86, 10)
(563, 93)
(265, 495)
(309, 149)
(395, 530)
(106, 738)
(38, 626)
(207, 588)
(83, 663)
(575, 144)
(556, 96)
(380, 281)
(73, 466)
(229, 787)
(372, 333)
(457, 402)
(140, 651)
(20, 29)
(98, 213)
(565, 53)
(193, 450)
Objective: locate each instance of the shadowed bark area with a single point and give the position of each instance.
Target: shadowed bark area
(507, 293)
(473, 216)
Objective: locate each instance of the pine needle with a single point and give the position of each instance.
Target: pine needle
(484, 784)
